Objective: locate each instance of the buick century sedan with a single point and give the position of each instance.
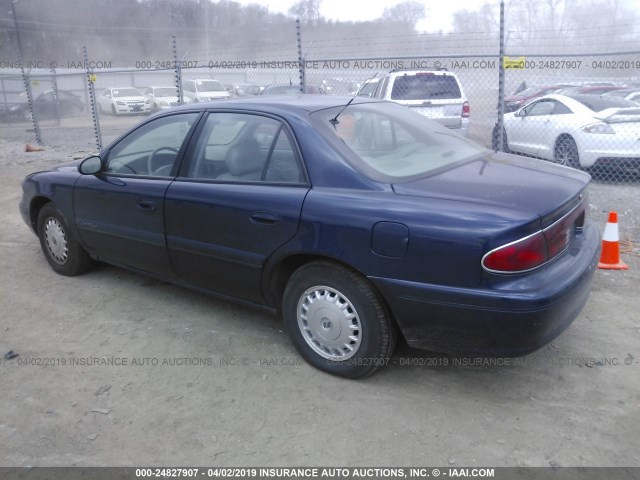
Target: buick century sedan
(356, 220)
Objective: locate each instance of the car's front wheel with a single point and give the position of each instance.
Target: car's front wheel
(337, 321)
(63, 252)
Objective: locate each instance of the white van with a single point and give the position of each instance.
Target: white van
(203, 90)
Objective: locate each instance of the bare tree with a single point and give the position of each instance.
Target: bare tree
(408, 12)
(308, 11)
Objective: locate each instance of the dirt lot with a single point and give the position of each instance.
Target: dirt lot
(196, 381)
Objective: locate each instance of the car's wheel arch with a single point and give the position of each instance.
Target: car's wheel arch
(37, 203)
(277, 274)
(566, 136)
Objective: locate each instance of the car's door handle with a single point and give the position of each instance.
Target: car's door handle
(264, 218)
(147, 205)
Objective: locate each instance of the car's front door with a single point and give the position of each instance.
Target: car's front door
(237, 200)
(119, 212)
(528, 128)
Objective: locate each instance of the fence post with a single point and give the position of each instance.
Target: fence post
(301, 68)
(178, 69)
(500, 123)
(92, 100)
(56, 99)
(25, 79)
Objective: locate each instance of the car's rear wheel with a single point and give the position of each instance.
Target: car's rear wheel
(566, 152)
(337, 321)
(63, 252)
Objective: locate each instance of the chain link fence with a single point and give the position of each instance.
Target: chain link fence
(581, 111)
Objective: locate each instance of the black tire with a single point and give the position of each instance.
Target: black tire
(346, 302)
(63, 252)
(566, 152)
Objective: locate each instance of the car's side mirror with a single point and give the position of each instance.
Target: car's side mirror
(522, 113)
(90, 165)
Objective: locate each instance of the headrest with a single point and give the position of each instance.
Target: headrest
(244, 158)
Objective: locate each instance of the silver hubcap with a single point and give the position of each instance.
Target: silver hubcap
(329, 323)
(56, 241)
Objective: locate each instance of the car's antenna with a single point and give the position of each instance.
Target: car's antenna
(334, 121)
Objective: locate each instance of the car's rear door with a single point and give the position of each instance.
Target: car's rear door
(236, 201)
(120, 211)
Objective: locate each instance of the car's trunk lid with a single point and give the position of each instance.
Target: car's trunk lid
(505, 181)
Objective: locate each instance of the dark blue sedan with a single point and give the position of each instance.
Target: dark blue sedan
(356, 222)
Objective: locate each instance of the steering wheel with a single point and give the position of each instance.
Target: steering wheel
(150, 160)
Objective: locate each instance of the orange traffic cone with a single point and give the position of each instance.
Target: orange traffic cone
(30, 148)
(610, 258)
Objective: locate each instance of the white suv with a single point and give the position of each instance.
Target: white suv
(436, 94)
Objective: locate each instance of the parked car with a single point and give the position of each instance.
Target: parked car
(436, 94)
(245, 89)
(579, 131)
(292, 90)
(632, 94)
(517, 100)
(17, 108)
(354, 221)
(589, 89)
(119, 101)
(337, 86)
(368, 87)
(161, 98)
(204, 90)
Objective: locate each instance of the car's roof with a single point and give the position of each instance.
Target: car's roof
(307, 102)
(587, 102)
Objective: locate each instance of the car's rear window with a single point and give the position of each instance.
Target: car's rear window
(390, 143)
(210, 86)
(425, 86)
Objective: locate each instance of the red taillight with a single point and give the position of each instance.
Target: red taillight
(525, 254)
(532, 251)
(466, 110)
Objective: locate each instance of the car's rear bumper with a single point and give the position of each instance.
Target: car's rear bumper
(631, 164)
(514, 316)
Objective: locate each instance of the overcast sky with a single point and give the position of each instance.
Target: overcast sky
(439, 13)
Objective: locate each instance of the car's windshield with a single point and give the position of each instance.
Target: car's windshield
(597, 103)
(391, 143)
(425, 86)
(165, 92)
(210, 86)
(126, 92)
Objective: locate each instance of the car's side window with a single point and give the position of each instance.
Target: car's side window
(152, 149)
(543, 107)
(238, 147)
(560, 109)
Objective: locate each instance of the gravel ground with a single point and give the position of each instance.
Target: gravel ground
(194, 380)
